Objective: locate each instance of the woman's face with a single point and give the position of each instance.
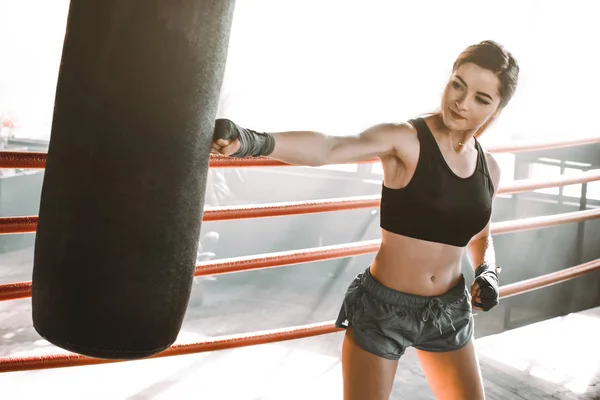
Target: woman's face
(470, 98)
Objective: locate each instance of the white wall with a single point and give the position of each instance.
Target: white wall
(339, 66)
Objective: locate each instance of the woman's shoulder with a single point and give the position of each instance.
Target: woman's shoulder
(493, 168)
(403, 137)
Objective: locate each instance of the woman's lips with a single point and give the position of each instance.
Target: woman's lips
(456, 115)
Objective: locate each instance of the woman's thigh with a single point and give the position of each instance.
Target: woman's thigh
(366, 376)
(453, 375)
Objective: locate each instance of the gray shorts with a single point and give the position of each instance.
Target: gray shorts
(385, 321)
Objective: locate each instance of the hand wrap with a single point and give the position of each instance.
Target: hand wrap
(252, 144)
(487, 279)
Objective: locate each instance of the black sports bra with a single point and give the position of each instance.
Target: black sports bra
(437, 205)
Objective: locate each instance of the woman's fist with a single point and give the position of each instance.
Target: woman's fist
(226, 138)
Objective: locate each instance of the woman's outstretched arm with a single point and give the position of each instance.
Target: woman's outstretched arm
(310, 148)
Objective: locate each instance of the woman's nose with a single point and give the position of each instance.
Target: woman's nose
(461, 104)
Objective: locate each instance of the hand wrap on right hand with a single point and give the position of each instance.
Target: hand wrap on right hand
(252, 144)
(487, 279)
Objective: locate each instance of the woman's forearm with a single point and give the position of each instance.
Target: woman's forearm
(306, 147)
(303, 148)
(481, 251)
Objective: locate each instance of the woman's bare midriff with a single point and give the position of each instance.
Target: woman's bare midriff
(416, 266)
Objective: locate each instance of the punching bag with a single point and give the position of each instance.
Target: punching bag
(123, 191)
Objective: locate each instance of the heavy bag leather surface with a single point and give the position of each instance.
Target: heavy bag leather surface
(123, 191)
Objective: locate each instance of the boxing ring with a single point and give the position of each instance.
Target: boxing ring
(28, 224)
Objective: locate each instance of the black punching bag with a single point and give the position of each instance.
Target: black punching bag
(123, 191)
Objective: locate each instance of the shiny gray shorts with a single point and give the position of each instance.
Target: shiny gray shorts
(385, 321)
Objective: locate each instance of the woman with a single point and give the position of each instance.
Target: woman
(436, 204)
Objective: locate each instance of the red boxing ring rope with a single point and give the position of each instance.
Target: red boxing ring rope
(271, 260)
(33, 160)
(11, 225)
(9, 364)
(27, 224)
(23, 289)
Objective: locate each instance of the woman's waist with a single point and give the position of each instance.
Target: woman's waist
(372, 285)
(426, 269)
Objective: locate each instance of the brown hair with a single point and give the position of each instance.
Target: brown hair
(494, 57)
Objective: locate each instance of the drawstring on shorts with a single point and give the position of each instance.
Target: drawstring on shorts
(437, 310)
